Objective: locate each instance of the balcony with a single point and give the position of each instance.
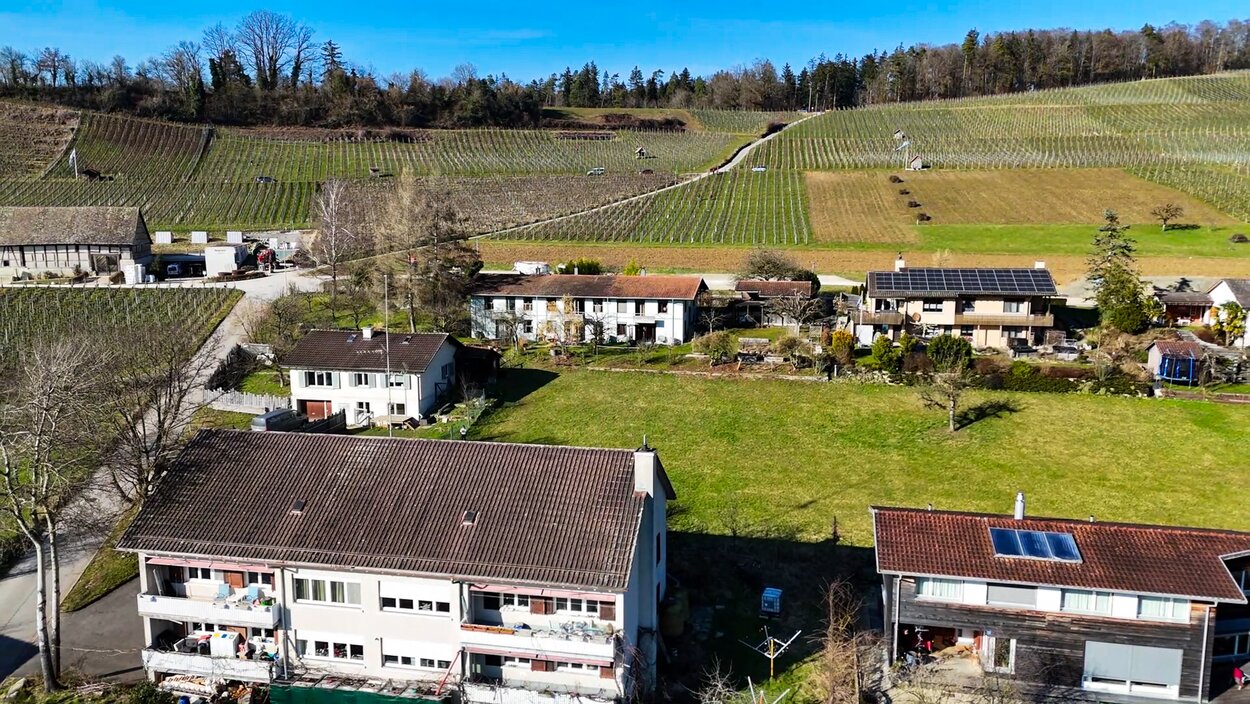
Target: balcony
(222, 668)
(878, 317)
(581, 640)
(1008, 319)
(484, 691)
(234, 613)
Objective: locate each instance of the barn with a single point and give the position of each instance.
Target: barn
(60, 241)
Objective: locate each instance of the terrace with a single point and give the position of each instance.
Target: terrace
(181, 591)
(238, 609)
(576, 625)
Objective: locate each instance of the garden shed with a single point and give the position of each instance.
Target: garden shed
(1175, 361)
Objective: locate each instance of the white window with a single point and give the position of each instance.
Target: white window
(510, 661)
(622, 307)
(260, 578)
(398, 409)
(1011, 595)
(362, 379)
(573, 667)
(322, 591)
(1163, 608)
(198, 627)
(518, 601)
(325, 379)
(1082, 601)
(1012, 306)
(967, 306)
(402, 653)
(931, 306)
(396, 596)
(934, 588)
(261, 632)
(398, 381)
(363, 408)
(329, 648)
(199, 573)
(448, 370)
(576, 606)
(1242, 578)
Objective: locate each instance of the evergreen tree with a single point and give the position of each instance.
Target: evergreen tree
(1113, 272)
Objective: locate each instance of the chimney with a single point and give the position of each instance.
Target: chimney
(1019, 506)
(367, 332)
(1039, 264)
(644, 469)
(899, 264)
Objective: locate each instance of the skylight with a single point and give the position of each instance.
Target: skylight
(1034, 544)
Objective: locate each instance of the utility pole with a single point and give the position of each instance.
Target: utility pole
(386, 324)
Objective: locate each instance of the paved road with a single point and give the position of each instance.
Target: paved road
(112, 619)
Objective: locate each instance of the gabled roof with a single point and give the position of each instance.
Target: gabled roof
(349, 350)
(1125, 557)
(1178, 348)
(80, 225)
(961, 282)
(1240, 288)
(548, 515)
(774, 289)
(677, 288)
(1195, 298)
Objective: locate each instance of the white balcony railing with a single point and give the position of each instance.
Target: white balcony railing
(483, 693)
(545, 644)
(205, 666)
(181, 609)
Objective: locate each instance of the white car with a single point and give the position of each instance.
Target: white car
(759, 169)
(597, 171)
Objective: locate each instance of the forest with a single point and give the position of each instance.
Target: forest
(271, 69)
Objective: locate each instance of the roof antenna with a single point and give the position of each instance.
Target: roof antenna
(930, 507)
(644, 442)
(1091, 518)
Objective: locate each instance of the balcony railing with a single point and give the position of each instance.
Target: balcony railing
(206, 666)
(1009, 319)
(588, 642)
(239, 613)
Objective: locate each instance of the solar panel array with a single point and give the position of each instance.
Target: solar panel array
(1035, 544)
(1020, 282)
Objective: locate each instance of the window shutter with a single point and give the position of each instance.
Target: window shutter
(541, 605)
(334, 380)
(542, 666)
(607, 673)
(607, 611)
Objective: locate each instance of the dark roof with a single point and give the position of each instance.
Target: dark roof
(1240, 289)
(959, 282)
(1192, 298)
(774, 289)
(550, 515)
(1123, 557)
(81, 225)
(348, 349)
(681, 288)
(1178, 348)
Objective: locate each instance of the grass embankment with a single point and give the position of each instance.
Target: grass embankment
(801, 454)
(107, 570)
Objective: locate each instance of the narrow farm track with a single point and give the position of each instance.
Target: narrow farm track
(734, 161)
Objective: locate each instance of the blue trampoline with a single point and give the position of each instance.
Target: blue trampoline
(1179, 367)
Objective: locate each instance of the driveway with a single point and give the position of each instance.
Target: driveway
(110, 624)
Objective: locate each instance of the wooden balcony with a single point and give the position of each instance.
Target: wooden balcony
(1006, 319)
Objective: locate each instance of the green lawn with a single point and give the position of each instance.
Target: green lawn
(1205, 241)
(800, 454)
(264, 381)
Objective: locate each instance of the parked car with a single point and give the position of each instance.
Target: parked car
(278, 419)
(266, 179)
(597, 171)
(759, 169)
(647, 172)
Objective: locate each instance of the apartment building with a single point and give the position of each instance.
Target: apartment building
(374, 377)
(1087, 610)
(636, 309)
(1001, 308)
(500, 571)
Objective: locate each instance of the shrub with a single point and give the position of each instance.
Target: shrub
(913, 204)
(718, 346)
(632, 268)
(1118, 386)
(1022, 376)
(904, 192)
(923, 217)
(1238, 238)
(1205, 333)
(788, 345)
(582, 265)
(949, 353)
(916, 363)
(842, 347)
(895, 179)
(147, 693)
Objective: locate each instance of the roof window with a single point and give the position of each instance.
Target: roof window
(297, 507)
(469, 518)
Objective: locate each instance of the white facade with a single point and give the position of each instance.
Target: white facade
(1220, 294)
(502, 641)
(661, 321)
(367, 395)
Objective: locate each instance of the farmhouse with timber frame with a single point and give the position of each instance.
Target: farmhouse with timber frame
(513, 573)
(61, 241)
(1084, 610)
(636, 309)
(1002, 308)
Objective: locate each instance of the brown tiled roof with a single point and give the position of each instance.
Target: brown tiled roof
(550, 515)
(679, 288)
(1114, 556)
(348, 349)
(1240, 289)
(773, 289)
(1180, 348)
(83, 225)
(1196, 298)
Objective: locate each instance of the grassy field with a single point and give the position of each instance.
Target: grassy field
(800, 454)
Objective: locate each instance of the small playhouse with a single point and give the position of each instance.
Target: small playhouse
(1175, 361)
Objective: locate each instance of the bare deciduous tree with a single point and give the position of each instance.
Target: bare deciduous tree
(47, 444)
(338, 233)
(944, 392)
(51, 61)
(154, 392)
(1166, 213)
(267, 39)
(845, 648)
(797, 309)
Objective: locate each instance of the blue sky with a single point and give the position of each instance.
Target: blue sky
(531, 39)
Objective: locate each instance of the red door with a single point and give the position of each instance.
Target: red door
(315, 410)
